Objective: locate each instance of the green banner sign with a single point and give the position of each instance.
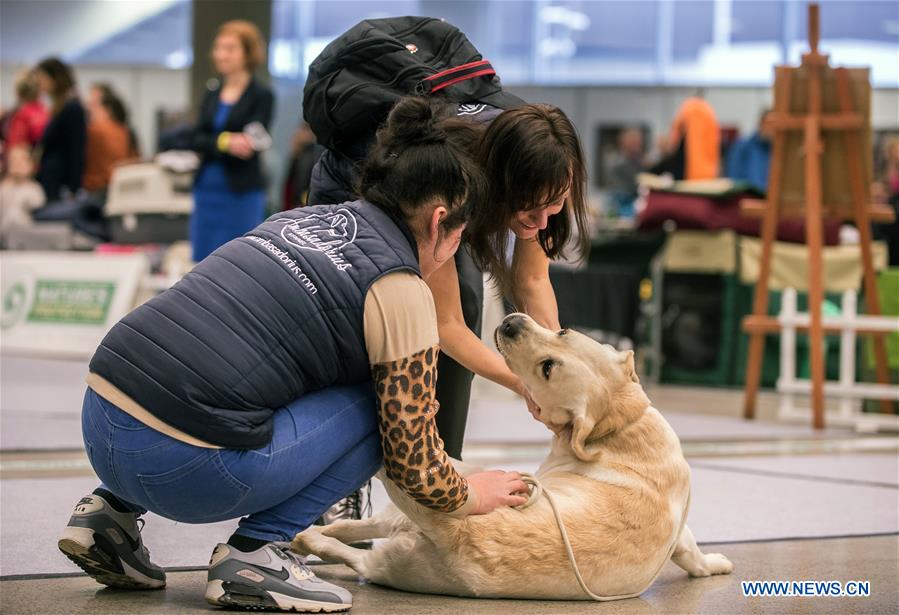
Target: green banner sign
(83, 303)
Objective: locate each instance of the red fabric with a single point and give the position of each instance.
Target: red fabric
(691, 211)
(456, 69)
(27, 124)
(480, 73)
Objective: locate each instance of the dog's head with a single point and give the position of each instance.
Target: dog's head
(585, 390)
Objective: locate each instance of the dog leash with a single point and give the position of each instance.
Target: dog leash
(536, 490)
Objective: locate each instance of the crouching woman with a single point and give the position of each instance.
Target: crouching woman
(246, 390)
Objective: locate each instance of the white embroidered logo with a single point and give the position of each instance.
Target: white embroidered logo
(326, 233)
(470, 109)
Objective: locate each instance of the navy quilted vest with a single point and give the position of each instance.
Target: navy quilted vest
(261, 321)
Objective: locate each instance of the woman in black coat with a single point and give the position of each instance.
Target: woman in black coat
(229, 195)
(63, 145)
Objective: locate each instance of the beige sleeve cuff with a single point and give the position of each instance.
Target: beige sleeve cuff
(400, 317)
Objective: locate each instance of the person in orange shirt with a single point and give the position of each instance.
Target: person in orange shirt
(109, 140)
(696, 126)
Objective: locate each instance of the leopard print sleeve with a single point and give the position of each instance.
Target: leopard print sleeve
(413, 452)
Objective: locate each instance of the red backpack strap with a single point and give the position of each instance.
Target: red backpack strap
(448, 77)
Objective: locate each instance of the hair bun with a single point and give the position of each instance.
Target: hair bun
(412, 121)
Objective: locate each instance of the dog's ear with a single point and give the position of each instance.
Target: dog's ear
(581, 429)
(587, 437)
(584, 425)
(627, 363)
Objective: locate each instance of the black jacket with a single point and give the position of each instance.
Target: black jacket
(334, 176)
(63, 151)
(256, 104)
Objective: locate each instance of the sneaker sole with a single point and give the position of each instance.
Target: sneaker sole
(100, 562)
(250, 598)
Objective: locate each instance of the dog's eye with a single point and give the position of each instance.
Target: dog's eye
(548, 367)
(563, 332)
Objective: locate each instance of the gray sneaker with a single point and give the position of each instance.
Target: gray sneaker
(354, 507)
(107, 545)
(271, 577)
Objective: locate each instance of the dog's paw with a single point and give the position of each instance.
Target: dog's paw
(710, 564)
(304, 542)
(716, 563)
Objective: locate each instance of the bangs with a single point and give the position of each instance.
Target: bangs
(542, 182)
(556, 192)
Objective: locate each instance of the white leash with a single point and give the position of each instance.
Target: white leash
(537, 490)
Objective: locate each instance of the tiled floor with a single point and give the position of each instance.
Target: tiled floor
(755, 484)
(844, 559)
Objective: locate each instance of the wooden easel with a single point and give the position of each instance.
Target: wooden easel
(854, 127)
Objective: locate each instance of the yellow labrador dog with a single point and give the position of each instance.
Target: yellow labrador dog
(615, 471)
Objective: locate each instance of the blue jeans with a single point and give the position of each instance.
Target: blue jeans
(325, 446)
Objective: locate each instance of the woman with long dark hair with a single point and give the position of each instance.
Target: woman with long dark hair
(63, 144)
(535, 209)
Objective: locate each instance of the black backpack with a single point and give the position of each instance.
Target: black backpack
(359, 76)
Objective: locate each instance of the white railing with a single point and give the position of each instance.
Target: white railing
(846, 390)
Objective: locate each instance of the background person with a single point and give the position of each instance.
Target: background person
(24, 125)
(63, 144)
(19, 193)
(624, 165)
(229, 197)
(694, 140)
(110, 140)
(749, 158)
(304, 153)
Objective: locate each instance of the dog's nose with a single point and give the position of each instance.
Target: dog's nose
(512, 325)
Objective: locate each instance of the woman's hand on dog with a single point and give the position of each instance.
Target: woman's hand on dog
(495, 488)
(533, 408)
(535, 411)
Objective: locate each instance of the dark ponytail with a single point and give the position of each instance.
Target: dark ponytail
(422, 153)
